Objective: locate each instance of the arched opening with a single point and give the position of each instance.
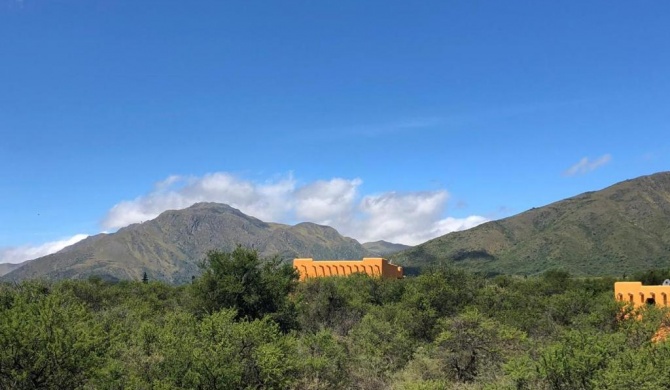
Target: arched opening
(650, 301)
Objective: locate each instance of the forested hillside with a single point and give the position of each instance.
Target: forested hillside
(623, 228)
(248, 324)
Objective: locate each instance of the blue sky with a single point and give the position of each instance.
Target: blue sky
(387, 119)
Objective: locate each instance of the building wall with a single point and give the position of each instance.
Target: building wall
(374, 266)
(639, 295)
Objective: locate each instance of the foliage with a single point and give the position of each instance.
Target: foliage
(654, 276)
(242, 281)
(47, 340)
(471, 342)
(247, 324)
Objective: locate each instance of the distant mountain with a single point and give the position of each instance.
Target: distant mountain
(169, 247)
(384, 248)
(618, 230)
(6, 268)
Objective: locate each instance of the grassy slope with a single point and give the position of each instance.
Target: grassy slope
(621, 229)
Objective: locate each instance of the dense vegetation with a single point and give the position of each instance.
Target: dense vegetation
(246, 323)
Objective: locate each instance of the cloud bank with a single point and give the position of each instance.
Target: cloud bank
(585, 165)
(20, 254)
(408, 218)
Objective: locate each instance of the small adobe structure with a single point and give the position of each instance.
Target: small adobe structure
(639, 295)
(373, 266)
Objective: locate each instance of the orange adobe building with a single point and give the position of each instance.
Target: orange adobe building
(639, 295)
(373, 266)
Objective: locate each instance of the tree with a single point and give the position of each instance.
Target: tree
(575, 360)
(254, 287)
(469, 342)
(323, 362)
(145, 278)
(48, 340)
(215, 352)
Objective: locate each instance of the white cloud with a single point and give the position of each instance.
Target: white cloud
(22, 253)
(329, 202)
(585, 165)
(409, 218)
(267, 201)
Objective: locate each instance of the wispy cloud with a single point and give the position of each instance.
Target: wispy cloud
(375, 130)
(22, 253)
(585, 165)
(450, 120)
(409, 218)
(649, 156)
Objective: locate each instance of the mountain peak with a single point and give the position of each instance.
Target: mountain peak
(170, 246)
(384, 248)
(210, 206)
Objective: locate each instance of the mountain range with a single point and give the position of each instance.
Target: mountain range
(383, 248)
(170, 246)
(619, 230)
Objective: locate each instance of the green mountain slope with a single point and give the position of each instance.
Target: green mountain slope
(170, 246)
(384, 248)
(620, 229)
